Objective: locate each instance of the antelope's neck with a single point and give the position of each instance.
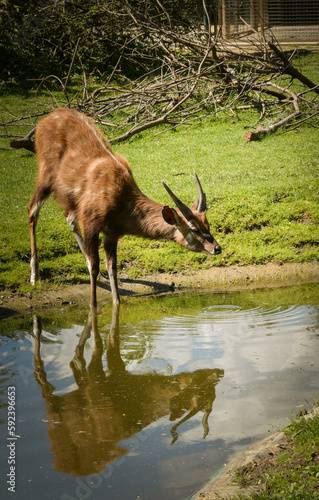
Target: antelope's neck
(147, 220)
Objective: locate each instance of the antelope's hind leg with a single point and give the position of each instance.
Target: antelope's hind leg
(34, 207)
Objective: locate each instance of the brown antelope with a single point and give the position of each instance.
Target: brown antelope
(99, 195)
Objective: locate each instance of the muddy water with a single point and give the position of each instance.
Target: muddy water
(151, 403)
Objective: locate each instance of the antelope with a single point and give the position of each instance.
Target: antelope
(96, 188)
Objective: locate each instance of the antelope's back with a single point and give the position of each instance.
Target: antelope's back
(68, 134)
(84, 173)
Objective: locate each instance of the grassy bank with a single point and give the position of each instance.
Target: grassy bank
(262, 201)
(291, 474)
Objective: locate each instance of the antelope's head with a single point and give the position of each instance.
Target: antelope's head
(191, 223)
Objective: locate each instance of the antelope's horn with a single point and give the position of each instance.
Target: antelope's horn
(201, 196)
(188, 214)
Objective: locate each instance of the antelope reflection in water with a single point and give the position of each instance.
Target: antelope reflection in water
(86, 425)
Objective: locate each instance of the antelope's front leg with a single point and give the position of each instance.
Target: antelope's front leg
(93, 263)
(110, 248)
(73, 225)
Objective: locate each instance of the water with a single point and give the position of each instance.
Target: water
(156, 401)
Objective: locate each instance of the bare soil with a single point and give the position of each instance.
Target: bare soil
(216, 279)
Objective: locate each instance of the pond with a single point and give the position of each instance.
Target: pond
(151, 402)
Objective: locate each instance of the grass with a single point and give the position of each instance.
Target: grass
(293, 473)
(262, 201)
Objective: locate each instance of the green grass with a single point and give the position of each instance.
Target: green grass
(262, 201)
(293, 473)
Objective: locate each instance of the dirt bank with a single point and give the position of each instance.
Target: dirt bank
(262, 456)
(214, 279)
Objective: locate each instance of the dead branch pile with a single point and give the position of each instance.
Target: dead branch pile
(197, 75)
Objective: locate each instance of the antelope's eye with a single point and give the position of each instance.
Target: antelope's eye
(196, 231)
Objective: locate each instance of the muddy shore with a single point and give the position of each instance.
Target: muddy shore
(221, 279)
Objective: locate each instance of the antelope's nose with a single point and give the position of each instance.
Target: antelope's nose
(217, 250)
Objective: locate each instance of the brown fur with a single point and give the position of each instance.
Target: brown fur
(99, 195)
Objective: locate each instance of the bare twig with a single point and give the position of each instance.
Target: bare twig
(71, 65)
(261, 131)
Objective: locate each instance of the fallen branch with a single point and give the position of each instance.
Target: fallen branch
(25, 142)
(262, 131)
(292, 71)
(189, 83)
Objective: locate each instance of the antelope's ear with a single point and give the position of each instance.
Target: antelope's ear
(170, 215)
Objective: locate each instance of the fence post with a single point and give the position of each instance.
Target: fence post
(225, 22)
(261, 15)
